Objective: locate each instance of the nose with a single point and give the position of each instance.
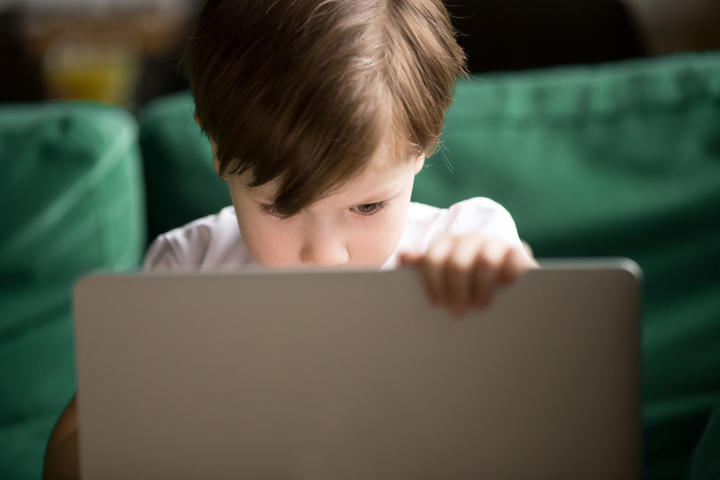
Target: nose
(322, 249)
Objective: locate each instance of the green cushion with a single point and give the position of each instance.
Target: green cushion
(72, 202)
(705, 462)
(616, 159)
(182, 184)
(610, 160)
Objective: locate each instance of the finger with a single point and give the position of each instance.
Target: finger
(516, 262)
(459, 272)
(410, 258)
(432, 267)
(487, 270)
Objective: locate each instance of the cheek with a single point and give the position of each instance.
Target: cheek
(269, 242)
(376, 239)
(270, 246)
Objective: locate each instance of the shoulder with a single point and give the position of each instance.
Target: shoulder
(482, 214)
(209, 242)
(479, 214)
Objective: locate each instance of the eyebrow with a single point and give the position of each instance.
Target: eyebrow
(387, 194)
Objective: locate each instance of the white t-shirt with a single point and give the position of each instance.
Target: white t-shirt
(214, 242)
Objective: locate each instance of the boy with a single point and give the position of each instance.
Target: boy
(320, 114)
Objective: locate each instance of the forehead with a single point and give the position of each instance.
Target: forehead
(376, 179)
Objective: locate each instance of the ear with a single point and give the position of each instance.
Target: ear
(214, 150)
(216, 162)
(419, 163)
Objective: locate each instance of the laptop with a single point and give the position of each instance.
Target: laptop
(354, 375)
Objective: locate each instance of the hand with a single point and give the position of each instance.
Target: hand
(463, 271)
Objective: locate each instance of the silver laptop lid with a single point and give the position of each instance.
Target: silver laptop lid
(354, 375)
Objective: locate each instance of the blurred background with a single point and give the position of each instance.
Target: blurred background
(619, 156)
(125, 52)
(122, 52)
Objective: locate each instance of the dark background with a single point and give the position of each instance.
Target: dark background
(497, 35)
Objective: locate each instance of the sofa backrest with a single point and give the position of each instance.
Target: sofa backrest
(177, 160)
(72, 201)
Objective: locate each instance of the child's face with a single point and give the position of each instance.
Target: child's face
(358, 224)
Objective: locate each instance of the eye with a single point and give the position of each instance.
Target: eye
(369, 208)
(270, 209)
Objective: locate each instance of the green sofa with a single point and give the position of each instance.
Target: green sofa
(72, 201)
(616, 159)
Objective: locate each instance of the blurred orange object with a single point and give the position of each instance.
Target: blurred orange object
(103, 73)
(99, 57)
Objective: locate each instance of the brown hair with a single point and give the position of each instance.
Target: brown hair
(305, 91)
